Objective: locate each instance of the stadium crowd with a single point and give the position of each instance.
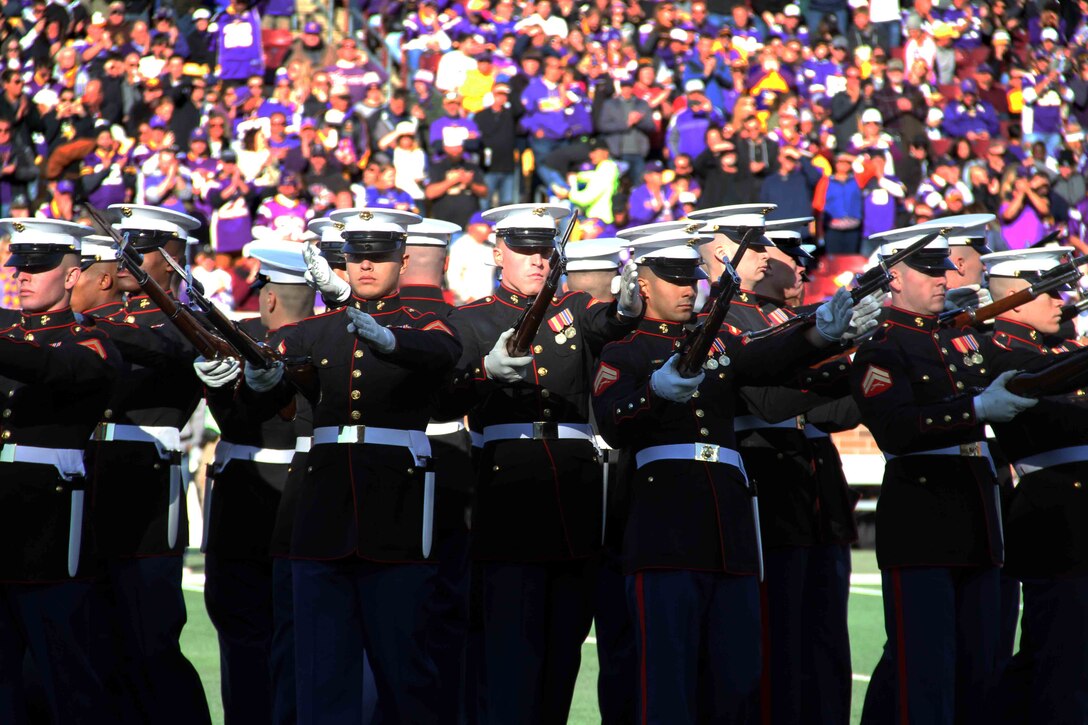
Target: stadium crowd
(868, 114)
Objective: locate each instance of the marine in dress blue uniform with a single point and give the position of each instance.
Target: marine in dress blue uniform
(939, 541)
(536, 520)
(1046, 546)
(691, 545)
(139, 512)
(361, 546)
(243, 495)
(56, 376)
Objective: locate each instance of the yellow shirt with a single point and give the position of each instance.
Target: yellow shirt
(473, 91)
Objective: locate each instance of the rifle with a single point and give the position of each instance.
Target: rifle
(1052, 279)
(865, 284)
(532, 316)
(1072, 310)
(208, 344)
(1058, 377)
(299, 371)
(695, 346)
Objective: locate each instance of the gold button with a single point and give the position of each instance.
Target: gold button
(494, 468)
(695, 394)
(929, 421)
(704, 432)
(324, 361)
(925, 378)
(60, 489)
(355, 395)
(1077, 484)
(538, 349)
(951, 368)
(650, 479)
(547, 412)
(130, 319)
(545, 394)
(7, 413)
(356, 415)
(356, 373)
(77, 328)
(358, 353)
(108, 413)
(542, 371)
(959, 385)
(922, 479)
(5, 435)
(967, 416)
(29, 336)
(573, 347)
(411, 471)
(721, 376)
(944, 350)
(982, 371)
(842, 367)
(948, 419)
(699, 413)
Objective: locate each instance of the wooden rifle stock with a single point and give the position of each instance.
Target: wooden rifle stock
(207, 344)
(694, 348)
(532, 317)
(1072, 310)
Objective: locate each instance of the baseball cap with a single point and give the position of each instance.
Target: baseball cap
(202, 14)
(792, 11)
(871, 115)
(968, 86)
(1049, 34)
(694, 86)
(311, 28)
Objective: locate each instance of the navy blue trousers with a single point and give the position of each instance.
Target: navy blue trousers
(616, 650)
(345, 606)
(145, 599)
(238, 595)
(807, 676)
(1047, 680)
(698, 637)
(51, 623)
(535, 619)
(282, 651)
(938, 665)
(447, 624)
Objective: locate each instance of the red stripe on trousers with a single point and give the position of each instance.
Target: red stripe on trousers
(640, 598)
(900, 648)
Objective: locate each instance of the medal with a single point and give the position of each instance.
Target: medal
(570, 332)
(723, 359)
(560, 339)
(711, 364)
(968, 360)
(977, 358)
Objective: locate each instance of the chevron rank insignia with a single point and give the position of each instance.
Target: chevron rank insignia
(606, 375)
(876, 381)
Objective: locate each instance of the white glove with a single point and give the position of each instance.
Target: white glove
(378, 337)
(625, 288)
(971, 295)
(262, 380)
(500, 366)
(668, 383)
(320, 275)
(833, 317)
(995, 404)
(866, 314)
(217, 373)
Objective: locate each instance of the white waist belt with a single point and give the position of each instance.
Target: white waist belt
(67, 461)
(750, 422)
(812, 432)
(303, 443)
(967, 450)
(225, 452)
(706, 452)
(165, 438)
(414, 440)
(442, 429)
(538, 432)
(1057, 457)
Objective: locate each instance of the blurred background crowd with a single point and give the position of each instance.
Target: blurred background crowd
(257, 116)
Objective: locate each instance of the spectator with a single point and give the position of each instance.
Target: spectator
(456, 184)
(498, 130)
(688, 127)
(842, 209)
(454, 118)
(792, 186)
(60, 202)
(1025, 208)
(471, 271)
(1070, 185)
(901, 105)
(227, 194)
(17, 169)
(545, 102)
(971, 117)
(216, 281)
(653, 201)
(626, 123)
(284, 215)
(755, 151)
(883, 198)
(1043, 93)
(722, 180)
(597, 186)
(166, 183)
(237, 41)
(324, 178)
(847, 107)
(102, 175)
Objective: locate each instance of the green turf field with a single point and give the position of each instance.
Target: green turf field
(866, 637)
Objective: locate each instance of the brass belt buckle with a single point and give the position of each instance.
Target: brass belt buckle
(971, 449)
(352, 434)
(545, 430)
(708, 452)
(801, 422)
(101, 432)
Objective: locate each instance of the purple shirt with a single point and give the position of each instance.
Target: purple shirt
(1026, 229)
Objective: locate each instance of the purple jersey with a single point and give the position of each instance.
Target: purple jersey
(392, 198)
(231, 226)
(285, 218)
(239, 44)
(111, 190)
